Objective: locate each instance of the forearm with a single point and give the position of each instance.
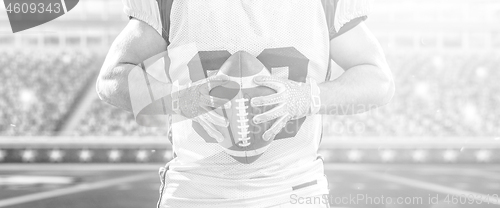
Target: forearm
(358, 89)
(119, 86)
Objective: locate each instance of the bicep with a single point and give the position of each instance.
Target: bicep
(355, 47)
(137, 42)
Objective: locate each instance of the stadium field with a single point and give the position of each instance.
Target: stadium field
(351, 185)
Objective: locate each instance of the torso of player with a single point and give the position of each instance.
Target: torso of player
(290, 38)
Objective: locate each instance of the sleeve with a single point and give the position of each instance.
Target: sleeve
(144, 10)
(343, 15)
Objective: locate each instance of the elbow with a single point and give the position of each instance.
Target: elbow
(381, 88)
(113, 91)
(106, 89)
(384, 86)
(99, 88)
(386, 90)
(102, 87)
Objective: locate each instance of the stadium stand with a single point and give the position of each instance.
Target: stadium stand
(39, 88)
(105, 120)
(436, 95)
(445, 108)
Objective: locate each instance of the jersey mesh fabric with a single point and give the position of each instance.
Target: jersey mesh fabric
(202, 174)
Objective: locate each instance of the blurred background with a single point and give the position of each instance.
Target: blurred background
(444, 55)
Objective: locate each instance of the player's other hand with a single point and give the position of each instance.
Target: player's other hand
(194, 102)
(294, 100)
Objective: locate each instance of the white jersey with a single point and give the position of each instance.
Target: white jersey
(291, 38)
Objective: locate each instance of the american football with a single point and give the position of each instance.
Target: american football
(245, 143)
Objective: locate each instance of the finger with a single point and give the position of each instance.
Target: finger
(198, 83)
(210, 129)
(215, 81)
(267, 100)
(276, 128)
(262, 78)
(268, 81)
(215, 118)
(214, 102)
(272, 82)
(208, 86)
(274, 86)
(219, 77)
(213, 84)
(276, 112)
(212, 81)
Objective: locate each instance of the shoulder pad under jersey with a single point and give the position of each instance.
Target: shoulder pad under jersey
(144, 10)
(341, 12)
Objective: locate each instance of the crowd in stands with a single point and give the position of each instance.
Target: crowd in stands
(445, 95)
(39, 87)
(437, 95)
(106, 120)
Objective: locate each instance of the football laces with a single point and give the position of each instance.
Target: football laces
(243, 122)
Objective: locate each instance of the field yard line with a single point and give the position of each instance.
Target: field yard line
(429, 186)
(73, 189)
(457, 170)
(406, 167)
(486, 174)
(155, 166)
(80, 167)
